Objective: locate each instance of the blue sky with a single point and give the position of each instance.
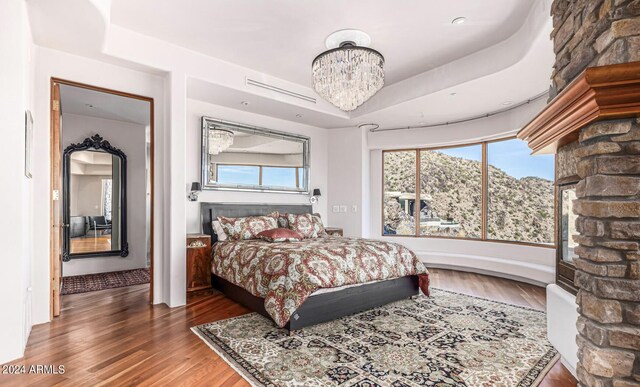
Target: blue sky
(273, 176)
(512, 156)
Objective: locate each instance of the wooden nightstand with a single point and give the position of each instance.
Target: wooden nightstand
(198, 262)
(334, 231)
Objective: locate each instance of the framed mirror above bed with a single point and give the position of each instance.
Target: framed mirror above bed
(248, 158)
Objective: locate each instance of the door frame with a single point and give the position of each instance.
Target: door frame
(55, 166)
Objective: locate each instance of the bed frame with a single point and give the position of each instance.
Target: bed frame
(316, 309)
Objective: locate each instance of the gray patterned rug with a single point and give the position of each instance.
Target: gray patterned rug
(448, 339)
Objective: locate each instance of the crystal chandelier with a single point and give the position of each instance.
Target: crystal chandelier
(219, 140)
(348, 75)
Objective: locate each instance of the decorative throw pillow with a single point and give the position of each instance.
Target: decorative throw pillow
(283, 222)
(248, 227)
(309, 225)
(280, 235)
(217, 228)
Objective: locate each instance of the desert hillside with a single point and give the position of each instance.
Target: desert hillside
(519, 209)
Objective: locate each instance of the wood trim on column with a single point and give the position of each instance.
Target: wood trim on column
(599, 93)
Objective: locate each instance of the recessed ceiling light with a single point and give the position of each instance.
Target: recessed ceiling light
(453, 94)
(507, 103)
(459, 20)
(299, 115)
(88, 105)
(244, 103)
(421, 123)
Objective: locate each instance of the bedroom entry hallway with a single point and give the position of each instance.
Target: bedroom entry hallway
(153, 344)
(102, 191)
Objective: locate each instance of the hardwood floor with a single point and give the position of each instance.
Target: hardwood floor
(113, 337)
(90, 244)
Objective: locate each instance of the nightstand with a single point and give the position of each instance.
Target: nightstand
(198, 262)
(334, 231)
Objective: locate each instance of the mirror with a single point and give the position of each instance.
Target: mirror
(94, 176)
(241, 157)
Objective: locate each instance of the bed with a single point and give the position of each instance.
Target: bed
(289, 282)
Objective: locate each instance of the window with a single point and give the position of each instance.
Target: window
(520, 193)
(238, 174)
(279, 177)
(488, 191)
(273, 176)
(451, 192)
(567, 223)
(399, 193)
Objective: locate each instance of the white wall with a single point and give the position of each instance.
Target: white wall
(350, 166)
(318, 172)
(86, 195)
(16, 220)
(52, 63)
(131, 139)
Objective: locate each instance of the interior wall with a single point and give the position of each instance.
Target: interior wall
(131, 139)
(53, 63)
(354, 158)
(318, 172)
(16, 66)
(86, 194)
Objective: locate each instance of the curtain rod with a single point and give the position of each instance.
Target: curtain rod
(473, 118)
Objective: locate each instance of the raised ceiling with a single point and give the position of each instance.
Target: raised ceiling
(281, 37)
(91, 103)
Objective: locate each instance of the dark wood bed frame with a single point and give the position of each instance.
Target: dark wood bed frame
(316, 309)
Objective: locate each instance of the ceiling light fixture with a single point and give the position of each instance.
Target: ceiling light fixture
(219, 140)
(452, 94)
(299, 115)
(88, 105)
(350, 73)
(459, 20)
(507, 103)
(244, 103)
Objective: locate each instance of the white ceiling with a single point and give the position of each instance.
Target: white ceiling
(86, 102)
(502, 53)
(282, 37)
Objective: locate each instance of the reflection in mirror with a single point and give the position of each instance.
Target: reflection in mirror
(568, 226)
(248, 158)
(95, 201)
(94, 209)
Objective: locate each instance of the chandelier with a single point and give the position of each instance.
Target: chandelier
(348, 75)
(219, 140)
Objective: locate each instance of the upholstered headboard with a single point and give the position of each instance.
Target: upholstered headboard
(210, 211)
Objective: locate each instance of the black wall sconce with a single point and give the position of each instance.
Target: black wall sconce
(196, 188)
(315, 195)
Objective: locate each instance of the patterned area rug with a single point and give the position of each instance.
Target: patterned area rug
(101, 281)
(448, 339)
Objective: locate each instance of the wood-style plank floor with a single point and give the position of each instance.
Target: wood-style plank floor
(113, 337)
(90, 244)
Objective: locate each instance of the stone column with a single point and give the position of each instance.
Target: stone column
(597, 33)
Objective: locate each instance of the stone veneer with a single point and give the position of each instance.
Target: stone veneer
(596, 33)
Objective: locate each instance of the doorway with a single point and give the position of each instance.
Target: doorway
(102, 173)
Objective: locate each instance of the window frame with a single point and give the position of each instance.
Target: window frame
(565, 271)
(260, 166)
(484, 199)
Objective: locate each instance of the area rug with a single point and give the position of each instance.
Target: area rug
(448, 339)
(101, 281)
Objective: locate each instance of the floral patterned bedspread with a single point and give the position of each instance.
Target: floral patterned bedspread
(286, 274)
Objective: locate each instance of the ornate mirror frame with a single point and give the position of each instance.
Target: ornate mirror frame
(95, 142)
(208, 123)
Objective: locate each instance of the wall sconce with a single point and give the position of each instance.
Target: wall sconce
(314, 196)
(196, 188)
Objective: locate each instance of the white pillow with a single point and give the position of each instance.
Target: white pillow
(217, 228)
